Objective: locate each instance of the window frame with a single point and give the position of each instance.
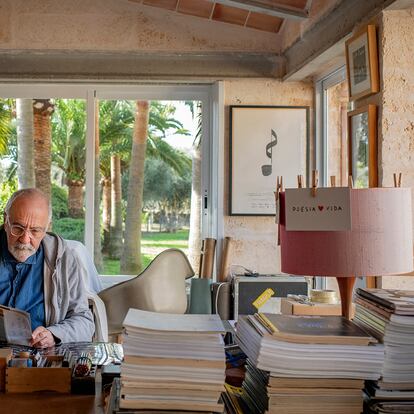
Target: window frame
(210, 94)
(320, 150)
(321, 120)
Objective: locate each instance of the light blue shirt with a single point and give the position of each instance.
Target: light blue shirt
(21, 284)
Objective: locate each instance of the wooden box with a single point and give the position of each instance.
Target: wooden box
(21, 379)
(5, 355)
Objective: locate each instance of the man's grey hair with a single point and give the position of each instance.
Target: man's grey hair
(28, 192)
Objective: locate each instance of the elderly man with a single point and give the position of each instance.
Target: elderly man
(41, 274)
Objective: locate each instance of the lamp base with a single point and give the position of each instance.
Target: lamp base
(346, 286)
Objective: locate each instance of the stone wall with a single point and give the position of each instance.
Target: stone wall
(396, 121)
(255, 238)
(121, 26)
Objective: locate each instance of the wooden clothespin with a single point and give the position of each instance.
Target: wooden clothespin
(314, 182)
(300, 181)
(333, 181)
(277, 188)
(350, 181)
(397, 181)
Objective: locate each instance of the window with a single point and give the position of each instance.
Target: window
(331, 151)
(79, 118)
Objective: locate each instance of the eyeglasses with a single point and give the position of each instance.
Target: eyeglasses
(34, 233)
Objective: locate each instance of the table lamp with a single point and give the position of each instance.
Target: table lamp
(379, 243)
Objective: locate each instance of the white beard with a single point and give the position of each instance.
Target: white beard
(21, 252)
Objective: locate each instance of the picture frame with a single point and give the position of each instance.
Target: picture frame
(362, 146)
(265, 142)
(362, 63)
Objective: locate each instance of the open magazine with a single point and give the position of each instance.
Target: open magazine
(15, 326)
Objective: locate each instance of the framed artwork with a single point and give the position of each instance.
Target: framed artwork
(362, 142)
(362, 63)
(265, 142)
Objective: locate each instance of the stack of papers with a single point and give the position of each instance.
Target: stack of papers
(172, 362)
(306, 364)
(266, 393)
(388, 314)
(310, 357)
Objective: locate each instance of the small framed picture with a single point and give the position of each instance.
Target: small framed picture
(362, 63)
(362, 141)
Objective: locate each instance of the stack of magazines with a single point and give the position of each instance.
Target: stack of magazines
(306, 364)
(388, 314)
(172, 362)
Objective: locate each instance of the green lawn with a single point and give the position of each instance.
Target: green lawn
(152, 244)
(112, 266)
(178, 240)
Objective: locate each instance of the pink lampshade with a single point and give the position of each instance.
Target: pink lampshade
(380, 242)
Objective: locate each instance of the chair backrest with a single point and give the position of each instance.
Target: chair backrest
(93, 283)
(93, 286)
(159, 288)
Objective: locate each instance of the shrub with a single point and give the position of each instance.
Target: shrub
(59, 202)
(7, 188)
(70, 228)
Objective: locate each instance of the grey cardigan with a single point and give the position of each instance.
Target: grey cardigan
(66, 305)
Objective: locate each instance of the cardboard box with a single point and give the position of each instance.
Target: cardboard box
(290, 306)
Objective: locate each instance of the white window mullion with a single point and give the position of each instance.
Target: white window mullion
(90, 171)
(321, 143)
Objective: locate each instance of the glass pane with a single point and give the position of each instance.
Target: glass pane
(337, 100)
(360, 153)
(150, 177)
(42, 145)
(336, 110)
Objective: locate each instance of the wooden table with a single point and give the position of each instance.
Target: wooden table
(53, 403)
(50, 403)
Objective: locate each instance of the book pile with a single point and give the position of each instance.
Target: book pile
(388, 314)
(234, 400)
(301, 395)
(306, 364)
(172, 362)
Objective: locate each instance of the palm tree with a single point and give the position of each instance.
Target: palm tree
(150, 127)
(5, 119)
(115, 235)
(25, 143)
(69, 150)
(5, 146)
(131, 257)
(42, 110)
(116, 123)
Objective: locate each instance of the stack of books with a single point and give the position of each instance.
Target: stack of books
(306, 363)
(234, 401)
(388, 314)
(172, 362)
(266, 393)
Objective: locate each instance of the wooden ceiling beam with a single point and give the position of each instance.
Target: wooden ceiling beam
(266, 7)
(338, 24)
(58, 64)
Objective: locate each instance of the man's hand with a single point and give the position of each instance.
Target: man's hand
(42, 338)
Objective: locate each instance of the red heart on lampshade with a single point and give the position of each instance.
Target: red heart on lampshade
(320, 208)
